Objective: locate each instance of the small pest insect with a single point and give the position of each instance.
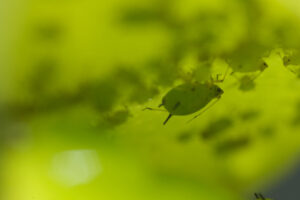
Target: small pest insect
(246, 82)
(249, 61)
(189, 98)
(249, 56)
(291, 61)
(291, 57)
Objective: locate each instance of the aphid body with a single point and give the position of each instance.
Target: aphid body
(249, 56)
(189, 98)
(291, 58)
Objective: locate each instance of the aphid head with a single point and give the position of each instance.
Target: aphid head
(217, 91)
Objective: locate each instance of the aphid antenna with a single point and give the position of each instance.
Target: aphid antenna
(205, 109)
(218, 76)
(225, 75)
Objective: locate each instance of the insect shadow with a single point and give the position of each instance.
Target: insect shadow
(185, 137)
(116, 118)
(141, 16)
(138, 90)
(49, 31)
(189, 98)
(216, 127)
(249, 115)
(44, 73)
(232, 145)
(101, 94)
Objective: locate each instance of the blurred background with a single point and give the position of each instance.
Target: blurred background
(75, 77)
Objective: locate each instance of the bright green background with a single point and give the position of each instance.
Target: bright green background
(76, 75)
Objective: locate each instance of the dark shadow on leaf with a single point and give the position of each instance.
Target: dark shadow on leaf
(215, 128)
(232, 145)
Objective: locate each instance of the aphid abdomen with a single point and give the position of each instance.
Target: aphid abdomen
(187, 99)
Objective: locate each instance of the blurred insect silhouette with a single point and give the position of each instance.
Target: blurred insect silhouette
(291, 61)
(189, 98)
(248, 57)
(232, 145)
(291, 57)
(246, 82)
(259, 196)
(248, 63)
(216, 127)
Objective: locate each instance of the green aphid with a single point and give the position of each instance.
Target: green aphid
(248, 65)
(291, 58)
(117, 117)
(189, 98)
(248, 57)
(184, 137)
(247, 82)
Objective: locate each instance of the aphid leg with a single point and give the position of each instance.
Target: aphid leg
(162, 103)
(225, 75)
(205, 109)
(211, 81)
(218, 80)
(154, 109)
(256, 195)
(170, 115)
